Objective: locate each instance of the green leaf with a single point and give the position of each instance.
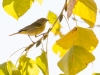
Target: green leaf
(12, 69)
(87, 10)
(16, 8)
(52, 18)
(42, 62)
(27, 66)
(75, 60)
(3, 69)
(84, 37)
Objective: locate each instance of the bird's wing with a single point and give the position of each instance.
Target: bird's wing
(36, 24)
(33, 25)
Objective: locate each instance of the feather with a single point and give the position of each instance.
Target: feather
(13, 34)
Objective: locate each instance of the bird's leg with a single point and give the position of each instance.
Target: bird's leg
(31, 39)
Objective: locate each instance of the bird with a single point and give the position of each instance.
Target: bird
(34, 28)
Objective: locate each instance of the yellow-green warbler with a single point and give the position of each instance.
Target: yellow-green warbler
(33, 29)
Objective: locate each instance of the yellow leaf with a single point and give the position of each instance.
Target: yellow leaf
(62, 74)
(27, 66)
(1, 72)
(12, 69)
(10, 10)
(96, 74)
(39, 1)
(56, 28)
(3, 69)
(58, 50)
(16, 8)
(42, 62)
(75, 60)
(70, 7)
(52, 18)
(84, 37)
(87, 10)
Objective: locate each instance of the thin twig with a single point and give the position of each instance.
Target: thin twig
(59, 16)
(67, 22)
(18, 58)
(51, 29)
(75, 20)
(47, 55)
(45, 34)
(14, 53)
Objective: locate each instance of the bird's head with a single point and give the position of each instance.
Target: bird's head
(42, 20)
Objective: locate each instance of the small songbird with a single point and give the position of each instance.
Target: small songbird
(33, 29)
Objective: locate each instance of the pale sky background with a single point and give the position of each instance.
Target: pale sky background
(9, 44)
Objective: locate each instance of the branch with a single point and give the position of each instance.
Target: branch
(59, 15)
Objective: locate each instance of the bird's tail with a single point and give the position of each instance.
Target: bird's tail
(13, 34)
